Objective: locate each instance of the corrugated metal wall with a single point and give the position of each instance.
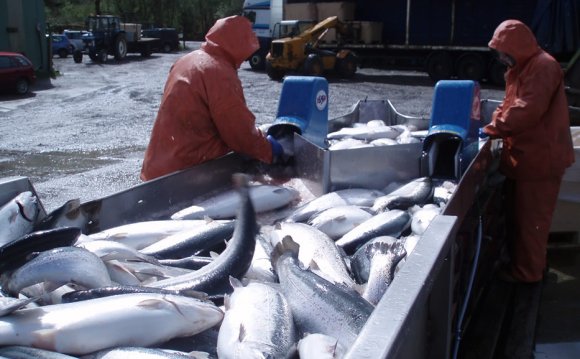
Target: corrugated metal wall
(23, 29)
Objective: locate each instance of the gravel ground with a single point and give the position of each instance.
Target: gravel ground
(83, 134)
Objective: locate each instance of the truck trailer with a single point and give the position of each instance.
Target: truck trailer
(447, 39)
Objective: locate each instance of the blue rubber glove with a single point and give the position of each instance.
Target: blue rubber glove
(277, 150)
(482, 135)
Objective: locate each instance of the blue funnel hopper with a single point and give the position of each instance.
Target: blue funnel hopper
(452, 139)
(303, 108)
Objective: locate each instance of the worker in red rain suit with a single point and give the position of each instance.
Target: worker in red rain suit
(534, 125)
(203, 113)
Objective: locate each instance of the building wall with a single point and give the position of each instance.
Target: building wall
(23, 29)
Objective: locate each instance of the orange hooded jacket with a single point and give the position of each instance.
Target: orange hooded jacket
(203, 113)
(533, 118)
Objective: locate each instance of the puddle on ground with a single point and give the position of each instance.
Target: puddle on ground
(43, 166)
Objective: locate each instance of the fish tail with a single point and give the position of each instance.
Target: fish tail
(286, 245)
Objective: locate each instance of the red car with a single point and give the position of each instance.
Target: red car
(16, 72)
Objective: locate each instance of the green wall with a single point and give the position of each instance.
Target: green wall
(23, 29)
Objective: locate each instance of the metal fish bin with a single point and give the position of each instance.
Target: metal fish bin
(418, 315)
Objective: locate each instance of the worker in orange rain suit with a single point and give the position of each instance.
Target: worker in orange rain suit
(203, 113)
(533, 123)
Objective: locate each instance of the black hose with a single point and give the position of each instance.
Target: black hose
(458, 331)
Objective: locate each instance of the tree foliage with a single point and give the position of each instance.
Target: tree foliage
(192, 17)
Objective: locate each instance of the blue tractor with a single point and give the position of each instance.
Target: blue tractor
(108, 36)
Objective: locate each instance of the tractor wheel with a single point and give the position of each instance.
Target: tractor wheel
(22, 86)
(78, 56)
(346, 66)
(274, 73)
(146, 51)
(439, 65)
(313, 65)
(120, 47)
(258, 61)
(102, 56)
(470, 66)
(495, 73)
(93, 55)
(62, 53)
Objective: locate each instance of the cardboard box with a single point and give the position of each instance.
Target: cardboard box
(302, 11)
(329, 37)
(344, 10)
(371, 32)
(133, 31)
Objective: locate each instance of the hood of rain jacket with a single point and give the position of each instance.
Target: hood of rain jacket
(533, 119)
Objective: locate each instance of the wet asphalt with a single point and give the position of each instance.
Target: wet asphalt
(83, 134)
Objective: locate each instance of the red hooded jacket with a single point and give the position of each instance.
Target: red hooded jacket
(203, 113)
(533, 118)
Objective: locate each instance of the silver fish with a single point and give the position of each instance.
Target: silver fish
(264, 198)
(258, 323)
(142, 234)
(59, 266)
(144, 353)
(417, 191)
(17, 217)
(129, 319)
(347, 144)
(318, 252)
(367, 133)
(23, 352)
(337, 221)
(382, 270)
(192, 241)
(319, 306)
(390, 223)
(351, 196)
(109, 250)
(384, 142)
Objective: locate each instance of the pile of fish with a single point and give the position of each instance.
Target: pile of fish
(209, 281)
(373, 133)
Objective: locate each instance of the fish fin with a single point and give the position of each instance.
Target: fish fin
(213, 255)
(198, 355)
(227, 304)
(208, 219)
(313, 266)
(242, 335)
(203, 296)
(235, 282)
(340, 218)
(152, 303)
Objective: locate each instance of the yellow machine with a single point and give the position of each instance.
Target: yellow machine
(301, 54)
